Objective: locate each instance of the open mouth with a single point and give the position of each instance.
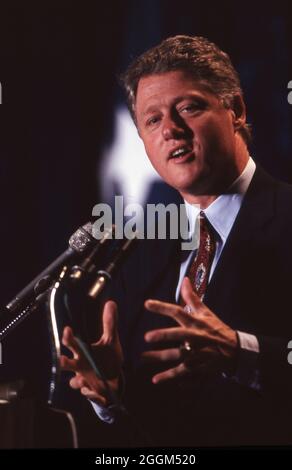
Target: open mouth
(181, 153)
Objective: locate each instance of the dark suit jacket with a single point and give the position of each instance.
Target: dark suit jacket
(250, 291)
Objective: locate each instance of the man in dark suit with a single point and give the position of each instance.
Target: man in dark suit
(203, 337)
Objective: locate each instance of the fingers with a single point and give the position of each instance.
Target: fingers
(70, 342)
(85, 379)
(110, 321)
(189, 295)
(93, 396)
(170, 310)
(78, 381)
(92, 393)
(68, 364)
(176, 312)
(175, 334)
(162, 355)
(194, 359)
(169, 374)
(197, 361)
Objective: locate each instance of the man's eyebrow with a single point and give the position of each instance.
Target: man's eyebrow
(178, 99)
(189, 96)
(150, 109)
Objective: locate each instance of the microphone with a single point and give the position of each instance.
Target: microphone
(79, 242)
(88, 264)
(105, 276)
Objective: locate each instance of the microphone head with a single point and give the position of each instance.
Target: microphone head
(82, 238)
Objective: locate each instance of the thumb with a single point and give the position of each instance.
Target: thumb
(110, 321)
(70, 342)
(188, 294)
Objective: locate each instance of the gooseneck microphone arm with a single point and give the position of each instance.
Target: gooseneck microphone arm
(79, 242)
(105, 275)
(39, 283)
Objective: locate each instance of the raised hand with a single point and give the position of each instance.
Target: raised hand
(207, 344)
(107, 354)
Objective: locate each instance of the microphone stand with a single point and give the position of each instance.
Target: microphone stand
(65, 431)
(32, 307)
(55, 297)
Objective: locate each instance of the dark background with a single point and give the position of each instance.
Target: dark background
(58, 69)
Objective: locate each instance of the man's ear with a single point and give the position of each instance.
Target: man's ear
(239, 112)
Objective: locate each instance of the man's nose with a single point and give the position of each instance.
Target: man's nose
(172, 129)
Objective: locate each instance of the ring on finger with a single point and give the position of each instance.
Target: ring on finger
(186, 350)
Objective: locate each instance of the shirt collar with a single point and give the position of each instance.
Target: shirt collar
(223, 211)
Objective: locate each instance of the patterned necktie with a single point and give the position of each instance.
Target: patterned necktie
(200, 267)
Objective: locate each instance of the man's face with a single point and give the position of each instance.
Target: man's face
(188, 134)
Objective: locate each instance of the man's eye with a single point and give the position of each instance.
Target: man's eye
(191, 108)
(153, 120)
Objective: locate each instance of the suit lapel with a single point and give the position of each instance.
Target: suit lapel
(161, 263)
(257, 210)
(160, 259)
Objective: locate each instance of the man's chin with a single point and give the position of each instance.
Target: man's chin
(190, 182)
(195, 187)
